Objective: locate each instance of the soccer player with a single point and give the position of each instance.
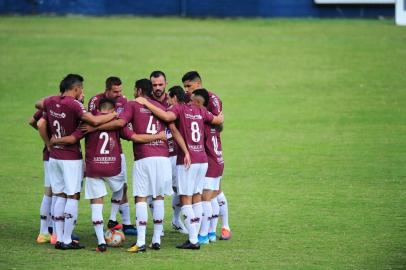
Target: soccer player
(62, 115)
(190, 121)
(113, 90)
(159, 83)
(103, 164)
(192, 81)
(215, 170)
(45, 209)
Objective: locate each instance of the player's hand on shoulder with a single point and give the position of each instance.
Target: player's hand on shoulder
(86, 128)
(141, 100)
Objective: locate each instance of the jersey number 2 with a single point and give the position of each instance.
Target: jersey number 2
(104, 136)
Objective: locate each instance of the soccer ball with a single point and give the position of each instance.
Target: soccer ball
(114, 238)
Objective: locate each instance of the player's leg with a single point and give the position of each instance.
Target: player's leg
(95, 190)
(200, 172)
(140, 192)
(215, 211)
(73, 174)
(57, 185)
(158, 219)
(45, 209)
(124, 207)
(207, 210)
(225, 228)
(186, 190)
(53, 236)
(160, 176)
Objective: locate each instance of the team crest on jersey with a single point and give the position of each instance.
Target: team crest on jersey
(120, 110)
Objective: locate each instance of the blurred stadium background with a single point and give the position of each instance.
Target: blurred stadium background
(205, 8)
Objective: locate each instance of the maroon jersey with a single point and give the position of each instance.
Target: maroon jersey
(94, 103)
(215, 106)
(103, 154)
(119, 107)
(144, 122)
(63, 114)
(45, 153)
(190, 121)
(214, 152)
(171, 141)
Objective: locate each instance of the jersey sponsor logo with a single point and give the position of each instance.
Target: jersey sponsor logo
(104, 160)
(196, 148)
(193, 116)
(57, 115)
(144, 110)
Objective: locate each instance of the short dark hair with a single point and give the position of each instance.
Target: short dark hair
(191, 76)
(70, 81)
(203, 93)
(145, 85)
(178, 92)
(112, 81)
(157, 73)
(107, 103)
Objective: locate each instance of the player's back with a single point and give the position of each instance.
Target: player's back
(190, 122)
(144, 122)
(103, 154)
(63, 114)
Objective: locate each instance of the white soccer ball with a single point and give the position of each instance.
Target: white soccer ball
(114, 238)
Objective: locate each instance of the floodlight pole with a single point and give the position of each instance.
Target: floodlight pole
(400, 12)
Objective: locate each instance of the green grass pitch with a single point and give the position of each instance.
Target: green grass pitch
(314, 139)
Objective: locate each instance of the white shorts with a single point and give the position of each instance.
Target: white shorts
(173, 165)
(47, 181)
(96, 188)
(211, 183)
(66, 175)
(191, 181)
(152, 176)
(123, 167)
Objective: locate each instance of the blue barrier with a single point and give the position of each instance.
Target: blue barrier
(194, 8)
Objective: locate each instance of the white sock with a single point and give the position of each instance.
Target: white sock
(59, 217)
(44, 213)
(207, 214)
(222, 201)
(53, 214)
(114, 210)
(215, 215)
(125, 214)
(71, 214)
(158, 217)
(176, 209)
(190, 222)
(97, 219)
(198, 210)
(141, 213)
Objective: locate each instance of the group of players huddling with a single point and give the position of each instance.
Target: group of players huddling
(177, 151)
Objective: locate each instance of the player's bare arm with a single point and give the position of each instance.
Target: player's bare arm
(32, 122)
(146, 138)
(43, 132)
(219, 119)
(181, 143)
(164, 115)
(99, 119)
(112, 125)
(66, 140)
